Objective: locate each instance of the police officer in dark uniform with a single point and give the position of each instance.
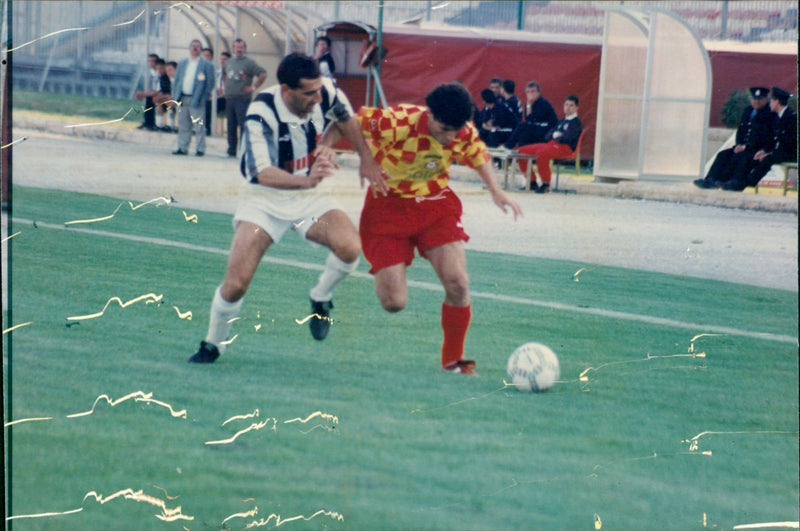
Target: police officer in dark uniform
(753, 134)
(784, 145)
(497, 122)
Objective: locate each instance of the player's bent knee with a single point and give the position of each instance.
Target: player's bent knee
(457, 288)
(393, 303)
(349, 252)
(233, 289)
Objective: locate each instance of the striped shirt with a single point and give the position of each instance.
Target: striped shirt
(273, 136)
(417, 164)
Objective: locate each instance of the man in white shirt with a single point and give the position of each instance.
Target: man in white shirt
(194, 82)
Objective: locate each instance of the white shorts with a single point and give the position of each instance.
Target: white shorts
(276, 211)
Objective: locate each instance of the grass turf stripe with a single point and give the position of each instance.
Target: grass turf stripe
(601, 312)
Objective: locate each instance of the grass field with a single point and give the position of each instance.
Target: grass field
(666, 430)
(78, 105)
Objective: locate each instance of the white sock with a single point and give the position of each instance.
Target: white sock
(219, 323)
(335, 271)
(159, 120)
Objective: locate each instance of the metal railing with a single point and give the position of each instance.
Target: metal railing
(100, 47)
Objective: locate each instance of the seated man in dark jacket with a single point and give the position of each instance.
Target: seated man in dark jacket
(497, 122)
(540, 117)
(562, 141)
(753, 134)
(784, 141)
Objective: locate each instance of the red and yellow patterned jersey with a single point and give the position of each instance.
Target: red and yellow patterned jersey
(416, 163)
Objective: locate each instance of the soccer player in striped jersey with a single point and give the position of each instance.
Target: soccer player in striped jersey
(283, 166)
(415, 146)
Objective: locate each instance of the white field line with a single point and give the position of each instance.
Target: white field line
(611, 314)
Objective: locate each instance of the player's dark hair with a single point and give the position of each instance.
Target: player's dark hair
(225, 54)
(573, 98)
(495, 80)
(450, 104)
(297, 66)
(160, 61)
(174, 64)
(326, 39)
(509, 86)
(488, 96)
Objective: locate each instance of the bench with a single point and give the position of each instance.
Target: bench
(783, 169)
(507, 159)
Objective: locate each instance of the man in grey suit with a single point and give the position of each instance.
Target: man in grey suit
(194, 82)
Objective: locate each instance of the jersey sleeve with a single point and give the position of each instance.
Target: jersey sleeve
(384, 126)
(259, 150)
(335, 105)
(470, 149)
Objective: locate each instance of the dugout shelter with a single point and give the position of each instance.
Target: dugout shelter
(654, 98)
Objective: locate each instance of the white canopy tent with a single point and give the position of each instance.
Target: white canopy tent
(271, 30)
(654, 98)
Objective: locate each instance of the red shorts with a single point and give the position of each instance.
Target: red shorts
(391, 227)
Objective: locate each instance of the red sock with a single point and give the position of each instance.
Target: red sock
(455, 322)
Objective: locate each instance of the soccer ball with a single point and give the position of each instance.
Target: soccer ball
(533, 367)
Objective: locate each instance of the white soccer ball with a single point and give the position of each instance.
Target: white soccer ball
(533, 367)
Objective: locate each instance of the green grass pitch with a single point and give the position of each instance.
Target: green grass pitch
(662, 432)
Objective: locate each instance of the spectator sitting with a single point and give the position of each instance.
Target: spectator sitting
(163, 96)
(497, 121)
(540, 117)
(510, 99)
(562, 142)
(753, 134)
(495, 86)
(151, 87)
(172, 115)
(784, 145)
(324, 57)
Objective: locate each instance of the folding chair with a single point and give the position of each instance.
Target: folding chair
(576, 155)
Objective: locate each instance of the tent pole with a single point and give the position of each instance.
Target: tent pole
(379, 42)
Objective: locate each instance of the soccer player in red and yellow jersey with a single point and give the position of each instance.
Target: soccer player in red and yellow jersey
(415, 207)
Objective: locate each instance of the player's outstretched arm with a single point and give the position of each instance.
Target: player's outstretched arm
(500, 198)
(369, 169)
(277, 178)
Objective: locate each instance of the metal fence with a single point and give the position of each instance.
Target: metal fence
(743, 20)
(100, 47)
(95, 48)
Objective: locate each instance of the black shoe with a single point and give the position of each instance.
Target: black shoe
(207, 353)
(543, 188)
(166, 129)
(199, 154)
(320, 321)
(734, 186)
(534, 187)
(179, 152)
(706, 184)
(231, 153)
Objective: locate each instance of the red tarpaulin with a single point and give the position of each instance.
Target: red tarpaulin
(420, 58)
(416, 63)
